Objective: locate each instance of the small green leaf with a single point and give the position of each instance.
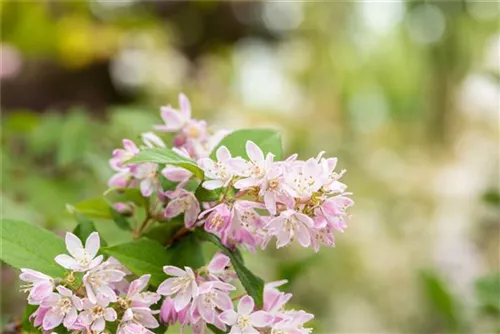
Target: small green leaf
(205, 195)
(187, 251)
(120, 220)
(168, 157)
(29, 246)
(268, 140)
(96, 207)
(162, 232)
(26, 324)
(488, 292)
(253, 285)
(142, 256)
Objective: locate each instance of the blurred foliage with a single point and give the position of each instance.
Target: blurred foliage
(404, 93)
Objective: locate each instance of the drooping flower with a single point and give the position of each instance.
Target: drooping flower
(38, 285)
(147, 175)
(274, 299)
(182, 286)
(136, 297)
(218, 219)
(63, 308)
(168, 314)
(246, 224)
(95, 315)
(82, 258)
(142, 316)
(245, 320)
(291, 224)
(219, 268)
(183, 202)
(121, 155)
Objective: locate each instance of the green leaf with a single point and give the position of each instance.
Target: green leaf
(96, 207)
(205, 195)
(268, 140)
(162, 232)
(441, 300)
(253, 285)
(214, 329)
(29, 246)
(142, 256)
(123, 195)
(187, 251)
(26, 323)
(168, 157)
(488, 292)
(120, 220)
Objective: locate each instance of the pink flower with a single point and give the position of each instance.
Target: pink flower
(274, 300)
(140, 315)
(272, 190)
(322, 236)
(219, 268)
(133, 328)
(168, 314)
(182, 285)
(147, 174)
(254, 170)
(183, 202)
(293, 322)
(221, 172)
(99, 283)
(291, 224)
(246, 224)
(135, 295)
(334, 210)
(175, 119)
(245, 320)
(96, 314)
(121, 155)
(38, 285)
(64, 307)
(212, 295)
(303, 178)
(218, 219)
(38, 316)
(81, 259)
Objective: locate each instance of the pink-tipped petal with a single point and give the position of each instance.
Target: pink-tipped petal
(261, 319)
(229, 317)
(73, 244)
(92, 244)
(254, 152)
(245, 305)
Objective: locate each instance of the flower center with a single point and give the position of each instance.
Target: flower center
(243, 321)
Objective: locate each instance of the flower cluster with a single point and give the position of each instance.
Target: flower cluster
(203, 297)
(260, 197)
(97, 293)
(93, 294)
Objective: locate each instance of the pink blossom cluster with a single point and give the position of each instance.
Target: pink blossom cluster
(93, 294)
(261, 198)
(193, 298)
(203, 298)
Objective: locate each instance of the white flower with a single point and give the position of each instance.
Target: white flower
(245, 320)
(147, 174)
(212, 295)
(303, 178)
(39, 285)
(291, 224)
(222, 171)
(99, 283)
(96, 314)
(254, 170)
(182, 285)
(81, 259)
(64, 307)
(151, 140)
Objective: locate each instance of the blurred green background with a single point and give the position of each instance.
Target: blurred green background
(406, 94)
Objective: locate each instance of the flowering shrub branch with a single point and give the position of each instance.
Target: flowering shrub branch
(232, 189)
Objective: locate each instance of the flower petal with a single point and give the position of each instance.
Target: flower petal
(73, 244)
(66, 261)
(261, 319)
(246, 305)
(254, 152)
(173, 271)
(92, 244)
(229, 317)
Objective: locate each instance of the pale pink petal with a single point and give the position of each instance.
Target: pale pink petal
(73, 244)
(246, 183)
(245, 305)
(185, 106)
(223, 154)
(254, 152)
(51, 320)
(147, 187)
(174, 208)
(110, 314)
(92, 244)
(305, 219)
(173, 271)
(98, 325)
(176, 174)
(229, 317)
(207, 311)
(66, 261)
(70, 318)
(138, 285)
(213, 184)
(182, 300)
(261, 319)
(64, 291)
(302, 235)
(172, 118)
(168, 287)
(283, 238)
(223, 301)
(95, 262)
(270, 201)
(218, 263)
(250, 330)
(147, 319)
(191, 215)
